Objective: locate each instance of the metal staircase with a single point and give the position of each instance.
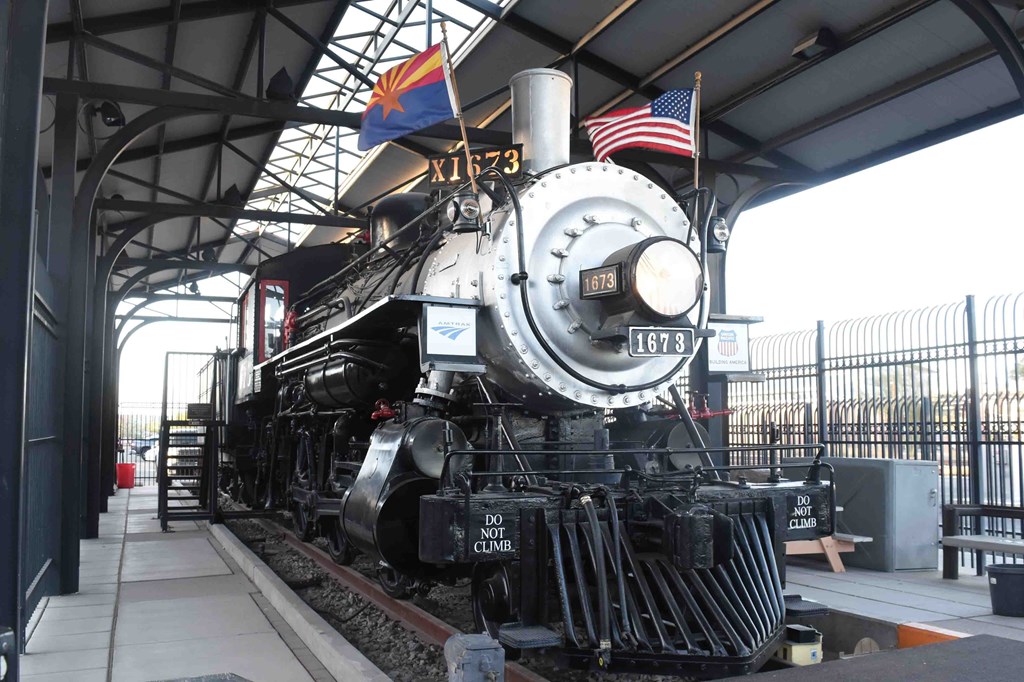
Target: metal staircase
(191, 423)
(187, 470)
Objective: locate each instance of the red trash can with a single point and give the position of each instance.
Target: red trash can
(125, 475)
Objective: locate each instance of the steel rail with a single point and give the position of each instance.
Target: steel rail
(429, 628)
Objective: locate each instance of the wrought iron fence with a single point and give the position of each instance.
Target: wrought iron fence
(138, 436)
(188, 380)
(942, 384)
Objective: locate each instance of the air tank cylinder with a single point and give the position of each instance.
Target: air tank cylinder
(540, 117)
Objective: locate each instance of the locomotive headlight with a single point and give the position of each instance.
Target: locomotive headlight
(667, 277)
(661, 279)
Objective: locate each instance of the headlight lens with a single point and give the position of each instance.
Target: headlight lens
(667, 278)
(470, 209)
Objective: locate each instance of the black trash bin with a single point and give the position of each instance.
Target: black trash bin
(1006, 587)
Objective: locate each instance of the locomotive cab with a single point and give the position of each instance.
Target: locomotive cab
(262, 332)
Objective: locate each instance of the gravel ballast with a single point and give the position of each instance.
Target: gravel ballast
(392, 648)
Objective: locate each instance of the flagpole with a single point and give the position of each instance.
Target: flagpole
(458, 107)
(696, 131)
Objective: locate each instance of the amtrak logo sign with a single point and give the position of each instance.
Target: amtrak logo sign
(450, 331)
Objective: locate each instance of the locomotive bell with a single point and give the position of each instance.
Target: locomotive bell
(393, 213)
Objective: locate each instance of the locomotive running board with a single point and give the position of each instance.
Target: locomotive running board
(388, 313)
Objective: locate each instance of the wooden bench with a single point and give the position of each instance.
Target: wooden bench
(831, 546)
(952, 544)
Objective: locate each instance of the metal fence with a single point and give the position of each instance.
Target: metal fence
(138, 424)
(942, 384)
(138, 435)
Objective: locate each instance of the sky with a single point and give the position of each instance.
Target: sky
(142, 360)
(924, 229)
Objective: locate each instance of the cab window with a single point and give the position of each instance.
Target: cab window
(275, 303)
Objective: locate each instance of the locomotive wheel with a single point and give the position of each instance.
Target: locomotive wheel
(492, 600)
(395, 584)
(301, 514)
(338, 546)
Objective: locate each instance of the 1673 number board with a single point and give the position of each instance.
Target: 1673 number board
(654, 341)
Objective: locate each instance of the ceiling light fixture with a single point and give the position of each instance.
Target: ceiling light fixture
(814, 44)
(281, 86)
(111, 115)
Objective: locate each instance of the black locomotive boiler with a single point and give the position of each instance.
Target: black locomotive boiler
(474, 394)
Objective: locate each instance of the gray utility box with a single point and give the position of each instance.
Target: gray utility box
(896, 504)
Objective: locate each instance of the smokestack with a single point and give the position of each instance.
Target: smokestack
(540, 117)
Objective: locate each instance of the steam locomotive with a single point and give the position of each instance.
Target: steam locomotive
(474, 394)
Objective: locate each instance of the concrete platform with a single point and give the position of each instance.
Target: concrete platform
(161, 606)
(992, 659)
(904, 597)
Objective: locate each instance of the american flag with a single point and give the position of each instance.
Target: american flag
(666, 124)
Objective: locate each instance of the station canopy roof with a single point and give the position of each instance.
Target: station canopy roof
(877, 79)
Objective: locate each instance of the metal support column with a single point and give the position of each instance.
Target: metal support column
(80, 309)
(700, 381)
(97, 456)
(819, 352)
(62, 199)
(978, 473)
(22, 28)
(108, 420)
(718, 391)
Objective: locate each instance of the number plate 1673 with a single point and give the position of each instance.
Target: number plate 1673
(651, 341)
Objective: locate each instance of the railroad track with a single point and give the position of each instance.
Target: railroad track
(428, 628)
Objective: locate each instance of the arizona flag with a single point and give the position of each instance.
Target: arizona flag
(409, 97)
